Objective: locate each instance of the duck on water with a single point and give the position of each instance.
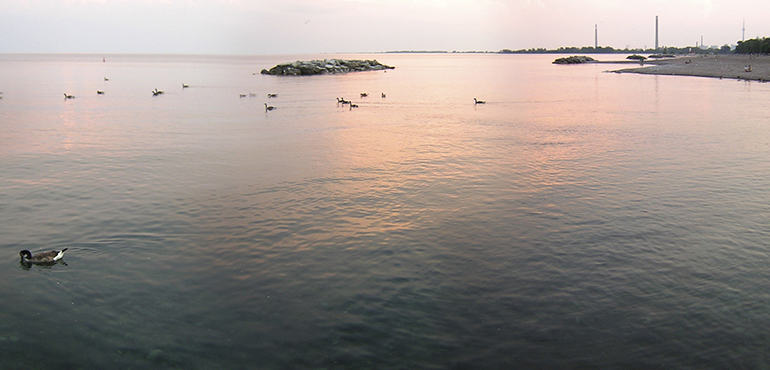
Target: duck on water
(42, 257)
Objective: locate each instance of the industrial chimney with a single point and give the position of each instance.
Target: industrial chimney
(596, 36)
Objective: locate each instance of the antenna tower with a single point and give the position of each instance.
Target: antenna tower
(743, 35)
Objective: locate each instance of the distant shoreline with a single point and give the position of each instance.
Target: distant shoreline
(718, 66)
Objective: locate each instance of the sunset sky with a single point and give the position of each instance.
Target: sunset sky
(258, 27)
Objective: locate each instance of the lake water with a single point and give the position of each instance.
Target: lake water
(578, 219)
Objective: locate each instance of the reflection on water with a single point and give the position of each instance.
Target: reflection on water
(26, 265)
(578, 219)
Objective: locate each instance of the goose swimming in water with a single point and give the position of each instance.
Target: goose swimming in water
(363, 95)
(342, 101)
(272, 95)
(478, 101)
(99, 92)
(69, 96)
(42, 257)
(353, 106)
(268, 107)
(184, 86)
(157, 92)
(383, 95)
(241, 95)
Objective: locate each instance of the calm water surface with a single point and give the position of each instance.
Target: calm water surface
(579, 219)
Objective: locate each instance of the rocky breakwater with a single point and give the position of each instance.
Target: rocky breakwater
(574, 60)
(326, 66)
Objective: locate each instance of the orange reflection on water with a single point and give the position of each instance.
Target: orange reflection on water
(44, 131)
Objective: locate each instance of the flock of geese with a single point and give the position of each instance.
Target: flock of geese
(340, 101)
(157, 92)
(267, 107)
(364, 95)
(353, 105)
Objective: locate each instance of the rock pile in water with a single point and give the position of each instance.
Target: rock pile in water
(636, 57)
(326, 66)
(574, 60)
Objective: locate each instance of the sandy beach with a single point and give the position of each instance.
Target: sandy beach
(718, 66)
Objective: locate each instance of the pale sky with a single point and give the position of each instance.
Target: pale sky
(259, 27)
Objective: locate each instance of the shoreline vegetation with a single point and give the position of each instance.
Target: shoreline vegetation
(760, 45)
(576, 50)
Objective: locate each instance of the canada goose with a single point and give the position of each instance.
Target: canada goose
(184, 86)
(383, 95)
(272, 95)
(42, 257)
(106, 79)
(342, 101)
(353, 106)
(157, 92)
(241, 95)
(478, 101)
(268, 107)
(69, 96)
(99, 92)
(363, 95)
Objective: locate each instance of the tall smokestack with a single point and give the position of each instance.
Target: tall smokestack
(656, 32)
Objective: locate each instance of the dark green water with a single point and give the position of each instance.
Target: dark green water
(578, 219)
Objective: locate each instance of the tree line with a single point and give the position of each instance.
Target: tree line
(754, 46)
(572, 50)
